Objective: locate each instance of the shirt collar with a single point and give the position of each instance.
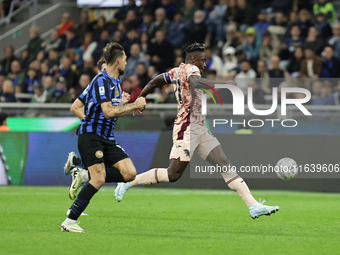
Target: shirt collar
(115, 82)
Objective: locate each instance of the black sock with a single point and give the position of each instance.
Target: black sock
(82, 201)
(113, 175)
(77, 161)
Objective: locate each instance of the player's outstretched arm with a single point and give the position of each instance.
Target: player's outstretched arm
(157, 82)
(111, 111)
(76, 108)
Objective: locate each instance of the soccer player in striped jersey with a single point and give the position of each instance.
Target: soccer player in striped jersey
(190, 133)
(96, 141)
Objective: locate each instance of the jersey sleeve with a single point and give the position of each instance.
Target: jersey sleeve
(192, 70)
(101, 91)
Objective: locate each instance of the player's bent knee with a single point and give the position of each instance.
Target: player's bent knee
(130, 175)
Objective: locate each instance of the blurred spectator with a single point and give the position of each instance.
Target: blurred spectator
(209, 6)
(152, 72)
(53, 42)
(336, 34)
(278, 25)
(25, 60)
(5, 64)
(16, 75)
(213, 61)
(40, 56)
(231, 11)
(311, 66)
(178, 61)
(44, 70)
(84, 81)
(147, 19)
(99, 28)
(242, 77)
(295, 62)
(262, 74)
(295, 40)
(304, 22)
(131, 21)
(253, 43)
(176, 34)
(316, 89)
(34, 45)
(322, 26)
(49, 85)
(122, 11)
(281, 5)
(3, 122)
(117, 37)
(135, 88)
(257, 93)
(29, 81)
(2, 80)
(60, 94)
(101, 43)
(135, 58)
(70, 41)
(326, 97)
(189, 9)
(196, 30)
(215, 21)
(65, 23)
(84, 26)
(241, 56)
(132, 38)
(270, 46)
(7, 93)
(337, 94)
(144, 44)
(161, 52)
(231, 39)
(315, 40)
(330, 65)
(169, 7)
(53, 61)
(68, 74)
(40, 94)
(87, 41)
(262, 24)
(142, 74)
(275, 71)
(161, 23)
(89, 68)
(144, 7)
(326, 8)
(245, 15)
(35, 64)
(230, 63)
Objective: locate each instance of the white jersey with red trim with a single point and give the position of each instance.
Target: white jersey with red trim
(189, 106)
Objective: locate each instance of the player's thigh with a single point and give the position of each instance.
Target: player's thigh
(98, 175)
(91, 149)
(207, 144)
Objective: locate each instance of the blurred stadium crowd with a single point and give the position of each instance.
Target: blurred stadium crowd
(269, 41)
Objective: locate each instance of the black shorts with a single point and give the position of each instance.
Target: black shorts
(94, 149)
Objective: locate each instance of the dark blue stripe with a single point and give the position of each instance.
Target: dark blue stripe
(76, 212)
(82, 202)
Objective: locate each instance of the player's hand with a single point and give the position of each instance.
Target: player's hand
(140, 102)
(125, 98)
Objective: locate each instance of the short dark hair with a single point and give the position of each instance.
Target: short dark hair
(72, 30)
(100, 63)
(194, 48)
(112, 52)
(3, 117)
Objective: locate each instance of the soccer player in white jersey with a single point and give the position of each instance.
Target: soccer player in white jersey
(190, 134)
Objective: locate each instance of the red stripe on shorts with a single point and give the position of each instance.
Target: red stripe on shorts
(181, 132)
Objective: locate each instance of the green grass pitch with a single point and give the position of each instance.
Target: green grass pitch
(168, 221)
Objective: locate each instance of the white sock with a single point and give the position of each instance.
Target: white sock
(152, 176)
(241, 188)
(69, 221)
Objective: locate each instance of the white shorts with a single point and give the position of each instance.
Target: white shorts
(188, 138)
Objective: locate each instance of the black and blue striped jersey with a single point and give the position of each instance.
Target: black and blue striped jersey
(103, 88)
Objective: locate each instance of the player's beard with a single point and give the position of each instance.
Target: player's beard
(121, 71)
